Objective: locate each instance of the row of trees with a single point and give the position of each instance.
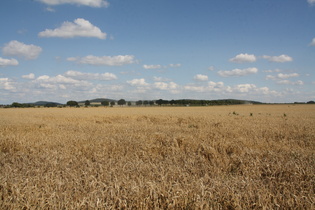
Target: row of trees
(160, 102)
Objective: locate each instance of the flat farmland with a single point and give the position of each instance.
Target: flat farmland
(220, 157)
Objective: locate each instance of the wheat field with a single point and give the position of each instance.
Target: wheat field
(220, 157)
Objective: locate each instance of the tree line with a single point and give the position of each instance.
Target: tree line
(160, 102)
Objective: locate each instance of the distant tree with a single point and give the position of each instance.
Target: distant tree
(172, 102)
(87, 103)
(121, 102)
(72, 103)
(50, 105)
(151, 103)
(105, 103)
(311, 102)
(159, 102)
(16, 104)
(112, 103)
(139, 103)
(129, 103)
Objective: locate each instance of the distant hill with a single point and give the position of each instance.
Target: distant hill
(43, 103)
(237, 101)
(98, 100)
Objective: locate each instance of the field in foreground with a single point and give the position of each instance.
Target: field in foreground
(226, 157)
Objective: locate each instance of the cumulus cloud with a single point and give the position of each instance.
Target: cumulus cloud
(160, 66)
(90, 76)
(161, 79)
(278, 59)
(175, 65)
(245, 88)
(29, 76)
(285, 76)
(80, 27)
(152, 66)
(243, 58)
(7, 84)
(138, 82)
(211, 68)
(313, 41)
(311, 2)
(238, 72)
(282, 76)
(288, 82)
(165, 85)
(49, 9)
(270, 71)
(8, 62)
(16, 48)
(210, 87)
(118, 60)
(59, 82)
(201, 77)
(90, 3)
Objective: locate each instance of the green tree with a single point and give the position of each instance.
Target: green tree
(72, 103)
(139, 103)
(105, 103)
(87, 103)
(159, 102)
(16, 104)
(112, 103)
(145, 103)
(121, 102)
(50, 105)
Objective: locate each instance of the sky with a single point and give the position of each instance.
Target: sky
(61, 50)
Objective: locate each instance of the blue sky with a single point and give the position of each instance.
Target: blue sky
(60, 50)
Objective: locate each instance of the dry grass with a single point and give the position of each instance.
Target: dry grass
(229, 157)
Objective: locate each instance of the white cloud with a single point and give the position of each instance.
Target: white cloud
(285, 76)
(90, 76)
(195, 88)
(8, 62)
(211, 68)
(245, 88)
(90, 3)
(160, 66)
(60, 82)
(7, 84)
(118, 60)
(311, 2)
(161, 79)
(16, 48)
(287, 82)
(201, 77)
(80, 27)
(165, 85)
(238, 72)
(211, 87)
(138, 82)
(152, 66)
(313, 41)
(177, 65)
(29, 76)
(217, 87)
(270, 71)
(49, 9)
(278, 59)
(243, 58)
(282, 76)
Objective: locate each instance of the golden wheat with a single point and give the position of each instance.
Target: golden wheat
(227, 157)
